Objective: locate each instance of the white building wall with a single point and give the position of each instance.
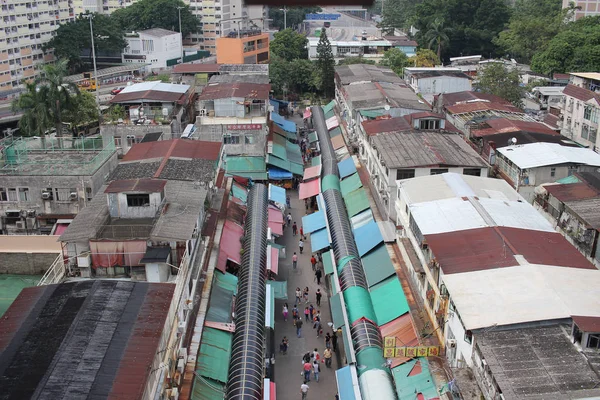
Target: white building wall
(573, 122)
(443, 84)
(118, 208)
(156, 50)
(463, 351)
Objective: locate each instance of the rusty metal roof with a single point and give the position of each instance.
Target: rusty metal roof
(51, 328)
(174, 148)
(481, 106)
(502, 125)
(136, 185)
(196, 68)
(572, 191)
(403, 329)
(587, 324)
(236, 90)
(496, 247)
(580, 93)
(384, 125)
(449, 99)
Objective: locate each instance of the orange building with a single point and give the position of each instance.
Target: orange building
(251, 48)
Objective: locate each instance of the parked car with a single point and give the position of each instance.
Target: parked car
(116, 91)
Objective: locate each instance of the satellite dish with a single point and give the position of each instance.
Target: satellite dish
(387, 107)
(513, 140)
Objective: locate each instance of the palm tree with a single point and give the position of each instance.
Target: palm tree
(34, 105)
(437, 35)
(61, 94)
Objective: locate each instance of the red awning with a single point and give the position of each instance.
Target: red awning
(60, 228)
(275, 220)
(307, 113)
(274, 264)
(310, 188)
(312, 172)
(230, 245)
(273, 389)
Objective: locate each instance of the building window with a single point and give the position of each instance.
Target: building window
(553, 172)
(592, 137)
(593, 341)
(3, 194)
(231, 139)
(249, 139)
(138, 200)
(429, 124)
(62, 194)
(12, 194)
(438, 171)
(468, 336)
(117, 140)
(405, 174)
(584, 131)
(23, 194)
(471, 171)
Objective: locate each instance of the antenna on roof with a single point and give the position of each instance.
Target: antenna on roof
(512, 141)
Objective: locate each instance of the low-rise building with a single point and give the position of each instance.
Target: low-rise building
(48, 181)
(548, 98)
(529, 165)
(432, 81)
(581, 107)
(157, 48)
(244, 47)
(489, 269)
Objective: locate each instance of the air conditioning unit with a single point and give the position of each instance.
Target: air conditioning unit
(181, 327)
(180, 366)
(84, 261)
(73, 196)
(182, 354)
(46, 195)
(452, 343)
(174, 394)
(20, 224)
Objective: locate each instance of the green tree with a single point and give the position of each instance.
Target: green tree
(356, 60)
(33, 104)
(497, 79)
(295, 16)
(83, 111)
(72, 38)
(424, 58)
(148, 14)
(575, 48)
(165, 78)
(326, 65)
(437, 36)
(116, 112)
(297, 76)
(532, 25)
(289, 45)
(398, 14)
(396, 60)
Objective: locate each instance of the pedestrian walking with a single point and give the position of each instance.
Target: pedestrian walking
(318, 275)
(299, 327)
(302, 233)
(283, 347)
(298, 296)
(306, 314)
(285, 311)
(307, 369)
(295, 313)
(301, 245)
(294, 260)
(305, 295)
(327, 356)
(304, 390)
(294, 229)
(315, 355)
(318, 296)
(289, 219)
(311, 311)
(287, 202)
(334, 341)
(328, 341)
(313, 261)
(316, 370)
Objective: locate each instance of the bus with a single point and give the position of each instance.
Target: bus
(88, 83)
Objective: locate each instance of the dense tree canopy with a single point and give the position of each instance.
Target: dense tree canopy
(147, 14)
(472, 24)
(326, 65)
(295, 16)
(575, 48)
(356, 60)
(298, 76)
(398, 14)
(396, 60)
(497, 79)
(289, 45)
(424, 58)
(73, 37)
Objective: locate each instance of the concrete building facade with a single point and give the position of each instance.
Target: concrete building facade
(580, 109)
(157, 48)
(246, 48)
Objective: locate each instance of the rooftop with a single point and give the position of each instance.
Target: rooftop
(587, 210)
(154, 91)
(196, 68)
(250, 78)
(476, 106)
(373, 95)
(494, 126)
(523, 293)
(426, 149)
(159, 32)
(536, 363)
(533, 155)
(235, 90)
(572, 191)
(45, 348)
(355, 73)
(136, 185)
(549, 90)
(385, 125)
(27, 156)
(587, 75)
(435, 72)
(581, 93)
(449, 99)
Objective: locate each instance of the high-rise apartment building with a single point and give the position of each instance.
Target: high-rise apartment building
(586, 8)
(26, 26)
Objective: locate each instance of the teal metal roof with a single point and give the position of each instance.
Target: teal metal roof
(329, 106)
(356, 202)
(315, 161)
(279, 289)
(207, 389)
(350, 184)
(214, 354)
(221, 298)
(279, 151)
(408, 385)
(285, 164)
(294, 154)
(237, 164)
(382, 293)
(330, 182)
(336, 310)
(359, 306)
(328, 262)
(335, 132)
(312, 137)
(569, 179)
(371, 113)
(377, 265)
(239, 192)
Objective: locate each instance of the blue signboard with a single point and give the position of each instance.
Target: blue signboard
(322, 17)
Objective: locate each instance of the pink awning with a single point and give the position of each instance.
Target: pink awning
(312, 172)
(307, 113)
(275, 220)
(274, 264)
(310, 188)
(230, 245)
(332, 123)
(273, 391)
(60, 228)
(107, 253)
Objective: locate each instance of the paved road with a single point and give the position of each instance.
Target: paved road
(346, 28)
(288, 367)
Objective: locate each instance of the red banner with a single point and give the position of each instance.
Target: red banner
(245, 127)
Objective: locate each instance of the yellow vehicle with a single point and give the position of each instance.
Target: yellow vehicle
(88, 83)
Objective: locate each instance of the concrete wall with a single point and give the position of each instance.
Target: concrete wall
(443, 84)
(165, 48)
(118, 208)
(26, 263)
(157, 272)
(109, 132)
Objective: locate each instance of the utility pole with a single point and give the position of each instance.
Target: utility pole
(179, 11)
(91, 16)
(284, 9)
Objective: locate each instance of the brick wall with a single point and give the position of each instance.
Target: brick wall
(26, 263)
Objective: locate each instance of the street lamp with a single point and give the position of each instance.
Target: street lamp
(179, 11)
(91, 16)
(284, 9)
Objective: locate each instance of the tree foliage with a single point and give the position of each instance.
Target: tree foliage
(424, 58)
(34, 106)
(356, 60)
(84, 110)
(472, 24)
(532, 26)
(396, 60)
(73, 37)
(437, 36)
(289, 45)
(61, 95)
(575, 48)
(497, 79)
(147, 14)
(398, 14)
(295, 16)
(297, 76)
(326, 65)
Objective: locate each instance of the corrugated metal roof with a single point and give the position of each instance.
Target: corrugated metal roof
(587, 210)
(367, 237)
(230, 245)
(356, 202)
(152, 91)
(463, 97)
(240, 165)
(214, 354)
(319, 240)
(235, 90)
(349, 74)
(572, 192)
(136, 185)
(350, 184)
(381, 294)
(220, 306)
(174, 148)
(207, 389)
(505, 125)
(310, 188)
(533, 155)
(385, 125)
(481, 106)
(196, 68)
(581, 93)
(403, 329)
(377, 265)
(346, 167)
(413, 380)
(587, 324)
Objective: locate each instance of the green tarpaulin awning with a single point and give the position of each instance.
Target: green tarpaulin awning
(328, 262)
(335, 132)
(350, 184)
(330, 182)
(381, 294)
(315, 161)
(236, 165)
(336, 310)
(312, 137)
(279, 289)
(358, 305)
(356, 202)
(221, 298)
(214, 354)
(292, 136)
(329, 114)
(207, 389)
(377, 265)
(329, 106)
(371, 113)
(279, 151)
(408, 382)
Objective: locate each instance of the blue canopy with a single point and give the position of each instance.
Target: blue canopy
(346, 167)
(367, 237)
(313, 222)
(275, 105)
(277, 194)
(347, 383)
(319, 240)
(278, 174)
(286, 125)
